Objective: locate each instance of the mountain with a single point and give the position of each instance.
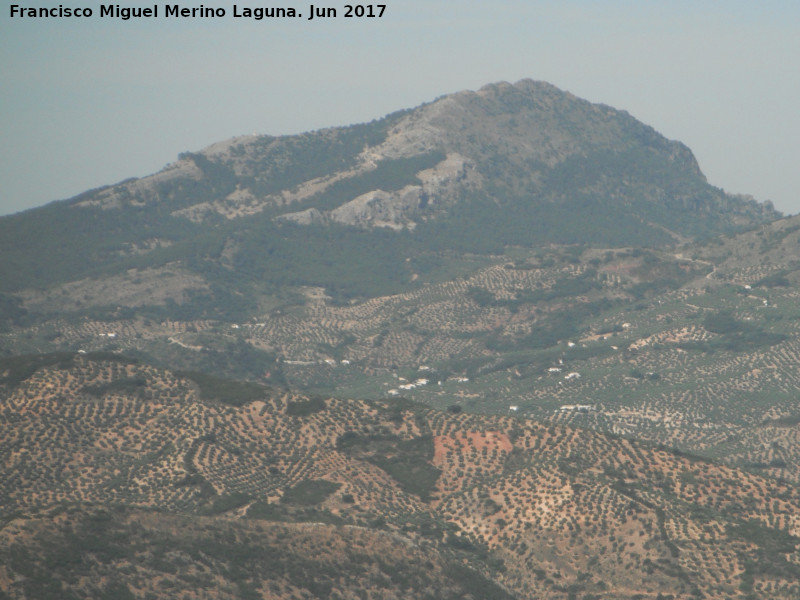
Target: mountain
(508, 165)
(128, 481)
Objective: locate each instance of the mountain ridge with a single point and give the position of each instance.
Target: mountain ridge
(535, 121)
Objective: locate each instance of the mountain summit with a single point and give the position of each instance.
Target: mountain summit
(528, 143)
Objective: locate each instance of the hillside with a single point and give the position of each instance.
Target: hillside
(126, 480)
(693, 347)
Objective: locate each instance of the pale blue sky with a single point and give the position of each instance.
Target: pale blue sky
(84, 103)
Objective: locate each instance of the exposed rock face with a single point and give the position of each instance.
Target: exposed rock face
(310, 216)
(450, 177)
(398, 209)
(381, 209)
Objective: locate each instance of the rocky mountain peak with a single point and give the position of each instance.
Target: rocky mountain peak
(504, 141)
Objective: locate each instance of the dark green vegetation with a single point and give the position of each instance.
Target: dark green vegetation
(310, 491)
(226, 391)
(390, 175)
(303, 408)
(408, 462)
(738, 336)
(17, 369)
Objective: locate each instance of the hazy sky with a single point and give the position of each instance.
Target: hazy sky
(89, 102)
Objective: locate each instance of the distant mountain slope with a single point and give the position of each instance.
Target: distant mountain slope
(522, 164)
(496, 507)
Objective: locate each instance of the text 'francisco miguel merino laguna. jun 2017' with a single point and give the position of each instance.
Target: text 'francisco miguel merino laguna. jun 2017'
(117, 11)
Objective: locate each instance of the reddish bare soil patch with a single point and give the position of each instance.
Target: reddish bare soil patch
(467, 441)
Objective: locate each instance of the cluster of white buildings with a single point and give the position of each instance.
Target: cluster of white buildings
(575, 408)
(408, 386)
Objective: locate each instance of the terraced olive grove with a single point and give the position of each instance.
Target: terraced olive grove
(524, 508)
